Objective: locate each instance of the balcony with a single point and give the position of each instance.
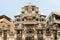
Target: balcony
(29, 22)
(57, 21)
(6, 28)
(18, 27)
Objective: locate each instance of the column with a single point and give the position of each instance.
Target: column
(35, 35)
(23, 35)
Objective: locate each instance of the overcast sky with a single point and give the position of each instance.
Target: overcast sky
(12, 7)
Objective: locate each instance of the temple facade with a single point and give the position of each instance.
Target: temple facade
(30, 24)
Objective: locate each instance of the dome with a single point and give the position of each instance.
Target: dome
(30, 4)
(42, 13)
(18, 14)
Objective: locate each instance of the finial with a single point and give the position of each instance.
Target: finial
(31, 4)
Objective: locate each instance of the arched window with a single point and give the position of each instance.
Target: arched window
(19, 34)
(36, 12)
(37, 19)
(22, 19)
(48, 32)
(18, 19)
(23, 12)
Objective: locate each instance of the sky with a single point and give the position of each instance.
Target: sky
(11, 7)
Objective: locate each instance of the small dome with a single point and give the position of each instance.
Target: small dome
(42, 14)
(18, 14)
(30, 4)
(54, 12)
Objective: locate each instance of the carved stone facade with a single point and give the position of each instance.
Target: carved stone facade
(30, 24)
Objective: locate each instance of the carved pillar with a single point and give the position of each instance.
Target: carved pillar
(54, 17)
(1, 36)
(11, 37)
(35, 36)
(23, 36)
(4, 34)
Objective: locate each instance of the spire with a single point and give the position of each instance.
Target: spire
(30, 6)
